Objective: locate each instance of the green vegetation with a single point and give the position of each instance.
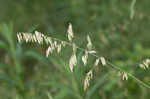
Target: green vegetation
(118, 29)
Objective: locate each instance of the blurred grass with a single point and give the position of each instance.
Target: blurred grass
(26, 73)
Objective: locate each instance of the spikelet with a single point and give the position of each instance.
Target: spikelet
(39, 37)
(92, 52)
(72, 62)
(125, 76)
(48, 51)
(147, 61)
(89, 45)
(96, 62)
(30, 37)
(26, 37)
(58, 48)
(87, 79)
(142, 66)
(103, 61)
(70, 32)
(19, 36)
(145, 64)
(55, 43)
(34, 38)
(85, 58)
(53, 46)
(63, 43)
(48, 40)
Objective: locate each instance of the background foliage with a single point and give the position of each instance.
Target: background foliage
(26, 73)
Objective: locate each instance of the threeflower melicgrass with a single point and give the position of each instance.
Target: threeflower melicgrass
(55, 44)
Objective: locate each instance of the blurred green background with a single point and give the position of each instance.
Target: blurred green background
(25, 73)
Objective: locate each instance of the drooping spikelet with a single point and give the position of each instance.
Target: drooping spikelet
(89, 45)
(19, 36)
(92, 52)
(87, 79)
(96, 62)
(58, 48)
(63, 43)
(85, 58)
(125, 76)
(72, 62)
(39, 37)
(48, 40)
(103, 61)
(70, 32)
(49, 50)
(145, 64)
(33, 38)
(27, 37)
